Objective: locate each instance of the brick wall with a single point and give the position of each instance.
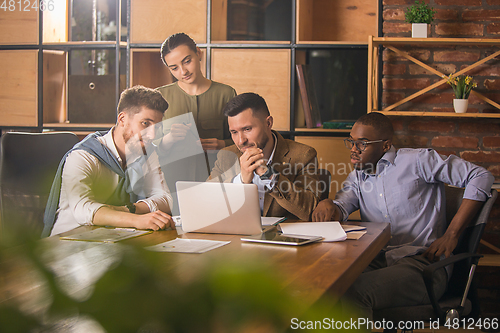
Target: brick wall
(473, 139)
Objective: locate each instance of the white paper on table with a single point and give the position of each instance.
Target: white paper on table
(184, 245)
(330, 231)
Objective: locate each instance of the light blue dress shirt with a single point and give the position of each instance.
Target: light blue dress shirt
(407, 191)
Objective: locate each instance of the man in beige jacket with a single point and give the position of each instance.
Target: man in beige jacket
(283, 170)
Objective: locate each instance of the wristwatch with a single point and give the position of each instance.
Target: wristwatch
(131, 207)
(269, 174)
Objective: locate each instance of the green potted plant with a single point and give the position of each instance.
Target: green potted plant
(462, 86)
(419, 15)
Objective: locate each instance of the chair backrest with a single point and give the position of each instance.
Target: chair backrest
(325, 178)
(470, 238)
(28, 163)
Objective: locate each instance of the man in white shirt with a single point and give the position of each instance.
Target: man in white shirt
(108, 178)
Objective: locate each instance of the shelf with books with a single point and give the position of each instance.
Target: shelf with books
(338, 74)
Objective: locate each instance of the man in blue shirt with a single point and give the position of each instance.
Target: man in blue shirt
(405, 188)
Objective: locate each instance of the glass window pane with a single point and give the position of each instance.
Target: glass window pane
(92, 86)
(95, 20)
(252, 20)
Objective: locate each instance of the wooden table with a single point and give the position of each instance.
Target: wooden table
(310, 271)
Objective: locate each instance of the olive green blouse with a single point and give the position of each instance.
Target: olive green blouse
(206, 108)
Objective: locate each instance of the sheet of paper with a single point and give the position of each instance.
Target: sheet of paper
(330, 231)
(183, 245)
(106, 235)
(268, 220)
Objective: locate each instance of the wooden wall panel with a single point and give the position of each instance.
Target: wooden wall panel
(148, 70)
(219, 20)
(18, 88)
(18, 27)
(339, 20)
(54, 86)
(333, 156)
(55, 23)
(262, 71)
(305, 20)
(154, 20)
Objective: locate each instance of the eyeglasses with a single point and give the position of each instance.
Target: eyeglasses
(360, 144)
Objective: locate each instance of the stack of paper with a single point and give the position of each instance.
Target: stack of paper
(330, 231)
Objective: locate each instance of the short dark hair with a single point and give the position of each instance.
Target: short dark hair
(380, 122)
(132, 99)
(245, 101)
(174, 41)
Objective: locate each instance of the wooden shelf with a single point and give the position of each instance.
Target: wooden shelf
(322, 130)
(249, 42)
(331, 43)
(433, 41)
(391, 42)
(440, 114)
(84, 44)
(74, 125)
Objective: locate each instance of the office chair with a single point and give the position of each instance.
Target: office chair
(460, 299)
(325, 178)
(28, 163)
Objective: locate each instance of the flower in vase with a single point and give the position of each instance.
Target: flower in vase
(462, 85)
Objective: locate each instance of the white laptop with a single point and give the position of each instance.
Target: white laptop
(222, 208)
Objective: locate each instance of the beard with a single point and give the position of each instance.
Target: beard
(133, 143)
(259, 144)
